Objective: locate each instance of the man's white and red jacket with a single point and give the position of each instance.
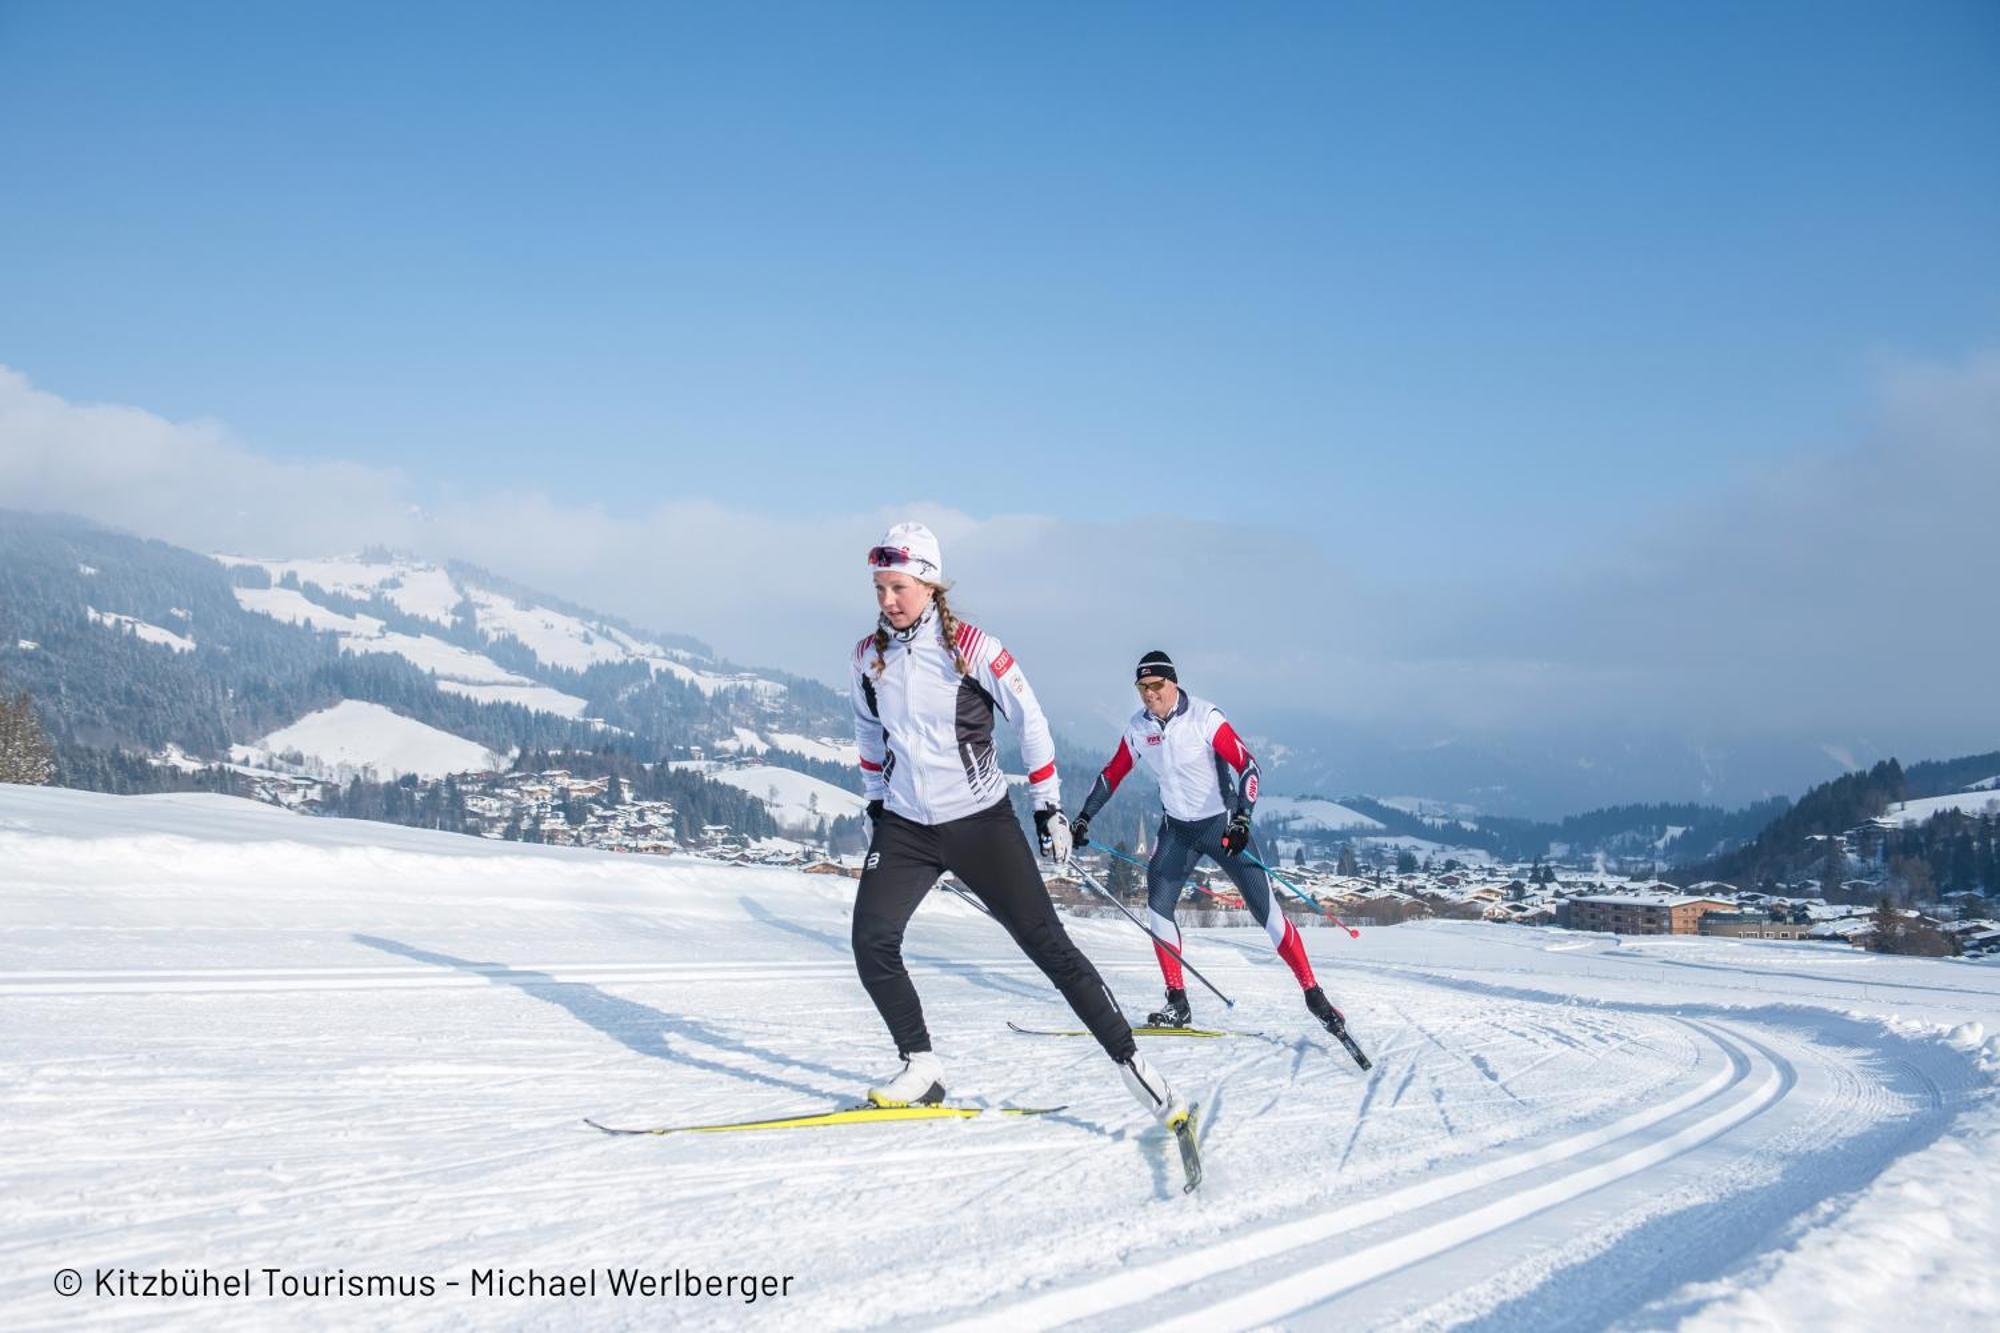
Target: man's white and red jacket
(926, 732)
(1195, 756)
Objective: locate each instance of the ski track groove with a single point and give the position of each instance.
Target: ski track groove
(1765, 1074)
(1496, 1173)
(1248, 1256)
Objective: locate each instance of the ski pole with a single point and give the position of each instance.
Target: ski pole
(1091, 880)
(1310, 902)
(952, 888)
(1128, 857)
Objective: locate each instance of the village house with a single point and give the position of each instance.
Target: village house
(1751, 926)
(1638, 913)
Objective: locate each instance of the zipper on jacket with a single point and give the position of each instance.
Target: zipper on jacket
(908, 664)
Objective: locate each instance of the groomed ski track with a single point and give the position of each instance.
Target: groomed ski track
(210, 1062)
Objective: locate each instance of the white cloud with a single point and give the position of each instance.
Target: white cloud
(1848, 594)
(1078, 601)
(1851, 590)
(184, 482)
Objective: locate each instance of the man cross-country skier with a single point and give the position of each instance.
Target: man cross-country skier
(1208, 787)
(926, 686)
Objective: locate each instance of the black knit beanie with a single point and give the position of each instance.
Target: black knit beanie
(1158, 665)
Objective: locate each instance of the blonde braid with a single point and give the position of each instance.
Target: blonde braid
(948, 631)
(881, 647)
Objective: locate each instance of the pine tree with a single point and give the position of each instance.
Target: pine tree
(1834, 873)
(25, 754)
(1964, 872)
(1888, 929)
(1348, 865)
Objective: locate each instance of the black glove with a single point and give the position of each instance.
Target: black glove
(1237, 836)
(875, 811)
(1079, 829)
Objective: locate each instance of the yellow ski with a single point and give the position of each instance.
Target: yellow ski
(846, 1115)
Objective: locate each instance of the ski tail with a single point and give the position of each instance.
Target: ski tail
(1186, 1134)
(1360, 1057)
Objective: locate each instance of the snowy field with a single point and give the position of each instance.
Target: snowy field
(233, 1038)
(361, 735)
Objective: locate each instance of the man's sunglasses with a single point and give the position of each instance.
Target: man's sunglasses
(1153, 686)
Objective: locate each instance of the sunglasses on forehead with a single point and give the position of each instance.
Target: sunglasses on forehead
(901, 557)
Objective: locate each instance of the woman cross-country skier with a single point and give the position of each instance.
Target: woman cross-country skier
(1208, 787)
(926, 686)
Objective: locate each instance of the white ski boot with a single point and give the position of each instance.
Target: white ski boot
(921, 1083)
(1152, 1091)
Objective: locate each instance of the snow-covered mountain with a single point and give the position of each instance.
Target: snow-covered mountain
(444, 599)
(375, 665)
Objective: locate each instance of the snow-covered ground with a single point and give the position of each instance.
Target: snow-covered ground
(1312, 814)
(236, 1038)
(148, 633)
(415, 586)
(1974, 801)
(352, 735)
(796, 800)
(830, 749)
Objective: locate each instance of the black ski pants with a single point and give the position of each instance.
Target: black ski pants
(990, 854)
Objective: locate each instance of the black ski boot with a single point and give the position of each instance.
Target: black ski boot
(1175, 1015)
(1322, 1009)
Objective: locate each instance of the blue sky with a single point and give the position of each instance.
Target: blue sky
(1396, 264)
(1441, 368)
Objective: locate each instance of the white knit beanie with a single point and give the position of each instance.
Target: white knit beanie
(911, 548)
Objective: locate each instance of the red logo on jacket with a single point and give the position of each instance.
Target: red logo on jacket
(1003, 663)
